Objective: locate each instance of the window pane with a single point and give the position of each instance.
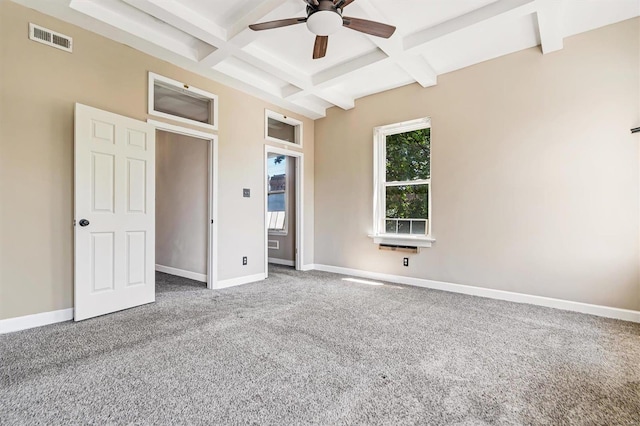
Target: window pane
(279, 220)
(279, 130)
(404, 226)
(407, 202)
(409, 156)
(390, 226)
(419, 227)
(181, 103)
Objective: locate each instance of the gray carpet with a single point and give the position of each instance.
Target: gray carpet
(310, 348)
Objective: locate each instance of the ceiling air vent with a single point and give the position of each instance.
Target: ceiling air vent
(50, 38)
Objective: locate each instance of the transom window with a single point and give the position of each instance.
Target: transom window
(177, 101)
(402, 196)
(282, 129)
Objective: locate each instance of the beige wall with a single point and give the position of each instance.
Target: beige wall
(535, 174)
(38, 89)
(182, 208)
(287, 243)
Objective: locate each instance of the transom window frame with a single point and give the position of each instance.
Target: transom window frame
(299, 128)
(379, 234)
(153, 78)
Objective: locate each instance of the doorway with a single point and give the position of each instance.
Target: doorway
(283, 205)
(186, 225)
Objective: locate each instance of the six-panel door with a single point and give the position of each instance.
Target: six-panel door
(114, 212)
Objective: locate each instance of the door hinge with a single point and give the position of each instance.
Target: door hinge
(74, 222)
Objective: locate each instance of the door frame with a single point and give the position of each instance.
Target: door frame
(299, 176)
(212, 238)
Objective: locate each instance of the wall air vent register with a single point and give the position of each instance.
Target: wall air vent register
(50, 38)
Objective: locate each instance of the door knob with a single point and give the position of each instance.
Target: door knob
(84, 222)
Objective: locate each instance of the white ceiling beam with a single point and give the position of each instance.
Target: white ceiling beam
(311, 111)
(419, 69)
(239, 34)
(218, 56)
(415, 65)
(501, 9)
(97, 10)
(393, 50)
(331, 75)
(283, 71)
(184, 19)
(338, 99)
(239, 31)
(274, 65)
(549, 26)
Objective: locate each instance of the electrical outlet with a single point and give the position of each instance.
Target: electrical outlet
(244, 261)
(405, 261)
(246, 193)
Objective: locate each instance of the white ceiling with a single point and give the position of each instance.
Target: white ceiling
(433, 37)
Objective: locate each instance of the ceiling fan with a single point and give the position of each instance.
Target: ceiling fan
(324, 17)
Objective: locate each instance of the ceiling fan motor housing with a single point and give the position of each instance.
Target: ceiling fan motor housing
(325, 19)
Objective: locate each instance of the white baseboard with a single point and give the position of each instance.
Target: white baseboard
(182, 273)
(309, 267)
(282, 262)
(36, 320)
(239, 281)
(567, 305)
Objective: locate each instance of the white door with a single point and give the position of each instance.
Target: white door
(114, 212)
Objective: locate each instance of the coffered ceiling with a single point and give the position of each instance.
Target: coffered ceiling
(433, 37)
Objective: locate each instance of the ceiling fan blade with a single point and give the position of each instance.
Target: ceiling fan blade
(277, 24)
(320, 48)
(377, 29)
(312, 3)
(341, 4)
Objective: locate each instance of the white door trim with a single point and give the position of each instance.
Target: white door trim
(212, 261)
(299, 156)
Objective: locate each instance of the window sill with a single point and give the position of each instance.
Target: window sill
(279, 233)
(403, 240)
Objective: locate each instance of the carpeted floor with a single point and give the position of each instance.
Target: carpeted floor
(311, 348)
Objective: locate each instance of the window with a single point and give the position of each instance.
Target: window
(402, 194)
(277, 196)
(282, 129)
(177, 101)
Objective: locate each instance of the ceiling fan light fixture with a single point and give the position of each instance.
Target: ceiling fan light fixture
(324, 22)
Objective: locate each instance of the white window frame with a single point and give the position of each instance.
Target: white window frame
(284, 232)
(379, 234)
(286, 120)
(153, 77)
